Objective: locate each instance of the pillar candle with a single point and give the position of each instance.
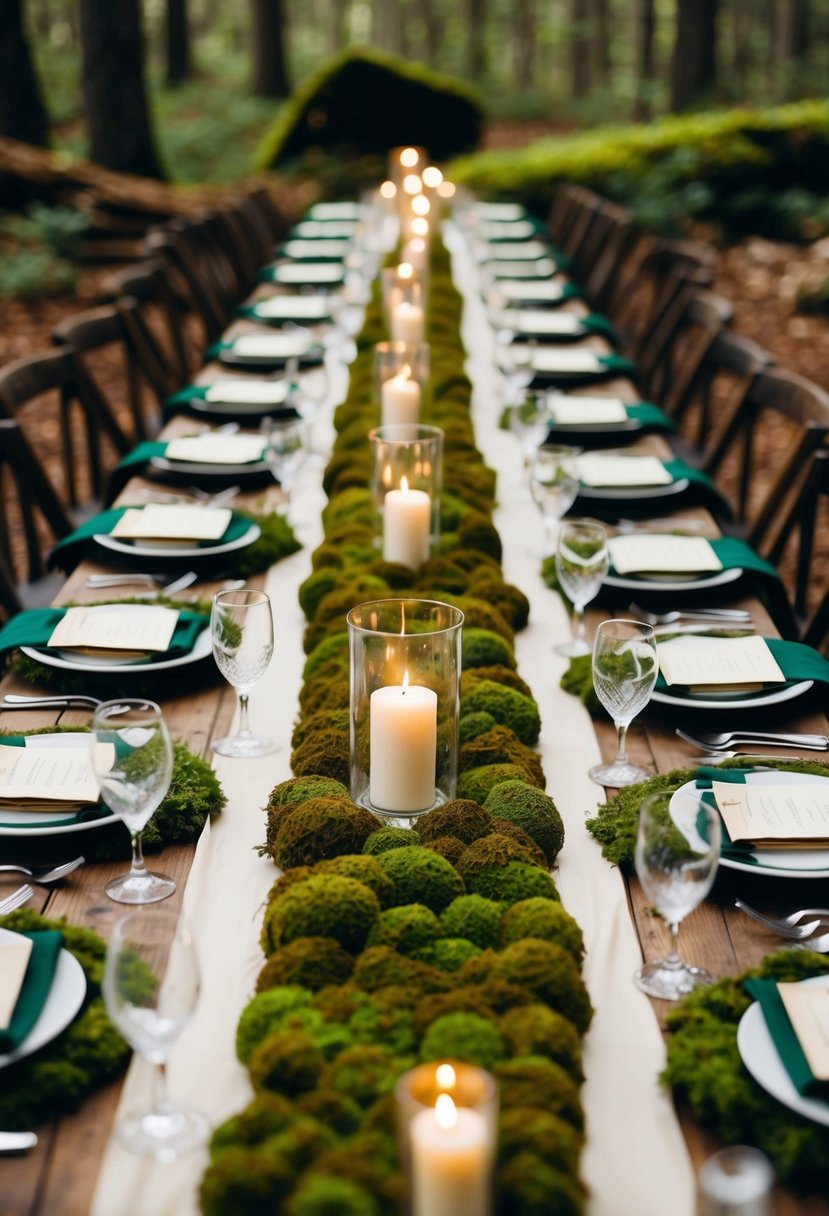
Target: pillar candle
(400, 399)
(450, 1162)
(407, 323)
(406, 526)
(416, 252)
(403, 742)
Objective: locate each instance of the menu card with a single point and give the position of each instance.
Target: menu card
(310, 272)
(568, 362)
(660, 554)
(177, 523)
(542, 321)
(775, 816)
(47, 778)
(586, 411)
(272, 346)
(497, 230)
(706, 662)
(308, 308)
(107, 627)
(541, 269)
(595, 470)
(517, 251)
(316, 249)
(519, 289)
(210, 448)
(808, 1008)
(248, 392)
(14, 959)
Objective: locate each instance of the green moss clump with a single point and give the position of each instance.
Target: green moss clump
(532, 810)
(333, 1110)
(321, 828)
(310, 726)
(264, 1014)
(508, 708)
(464, 1036)
(535, 1030)
(406, 928)
(475, 918)
(461, 817)
(334, 649)
(512, 882)
(504, 827)
(477, 783)
(362, 868)
(382, 967)
(448, 847)
(286, 1062)
(365, 1072)
(420, 876)
(529, 1185)
(538, 1082)
(550, 972)
(315, 586)
(545, 919)
(312, 962)
(449, 953)
(325, 754)
(474, 724)
(290, 794)
(492, 850)
(265, 1116)
(443, 573)
(243, 1179)
(324, 1195)
(499, 675)
(379, 1021)
(499, 745)
(322, 906)
(389, 838)
(324, 693)
(530, 1129)
(475, 531)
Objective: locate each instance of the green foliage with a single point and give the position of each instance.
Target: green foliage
(405, 928)
(464, 1036)
(320, 828)
(532, 810)
(475, 918)
(37, 251)
(420, 876)
(313, 962)
(322, 906)
(508, 708)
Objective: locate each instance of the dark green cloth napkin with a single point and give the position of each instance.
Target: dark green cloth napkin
(737, 555)
(89, 812)
(184, 396)
(796, 660)
(314, 354)
(785, 1039)
(46, 946)
(68, 552)
(34, 628)
(251, 313)
(608, 366)
(649, 416)
(594, 323)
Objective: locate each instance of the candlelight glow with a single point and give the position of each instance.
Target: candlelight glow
(412, 183)
(409, 158)
(445, 1076)
(405, 270)
(405, 372)
(421, 205)
(419, 226)
(405, 682)
(417, 244)
(446, 1113)
(404, 489)
(432, 176)
(446, 190)
(388, 190)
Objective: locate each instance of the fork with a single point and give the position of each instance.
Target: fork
(45, 877)
(787, 926)
(16, 899)
(169, 586)
(819, 944)
(701, 614)
(15, 700)
(718, 742)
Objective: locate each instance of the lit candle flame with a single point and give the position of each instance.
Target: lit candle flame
(420, 226)
(421, 205)
(404, 485)
(409, 158)
(405, 270)
(446, 1113)
(432, 176)
(445, 1076)
(412, 184)
(388, 190)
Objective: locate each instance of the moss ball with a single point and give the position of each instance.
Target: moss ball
(449, 953)
(325, 754)
(296, 790)
(365, 1072)
(499, 745)
(461, 817)
(532, 810)
(536, 1030)
(264, 1013)
(265, 1116)
(464, 1036)
(447, 846)
(243, 1179)
(529, 1185)
(477, 783)
(406, 928)
(325, 692)
(550, 972)
(389, 838)
(362, 868)
(498, 675)
(476, 532)
(420, 876)
(286, 1062)
(483, 648)
(474, 724)
(381, 967)
(334, 648)
(328, 905)
(535, 1081)
(529, 1129)
(545, 919)
(508, 599)
(475, 918)
(321, 828)
(325, 1195)
(492, 850)
(308, 727)
(512, 882)
(503, 827)
(507, 706)
(312, 962)
(334, 1110)
(315, 586)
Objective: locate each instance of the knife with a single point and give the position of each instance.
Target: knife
(17, 1142)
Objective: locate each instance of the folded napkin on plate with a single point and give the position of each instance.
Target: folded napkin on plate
(252, 313)
(606, 367)
(35, 626)
(594, 323)
(46, 947)
(785, 1039)
(68, 552)
(735, 554)
(48, 820)
(650, 417)
(796, 660)
(534, 294)
(298, 273)
(314, 353)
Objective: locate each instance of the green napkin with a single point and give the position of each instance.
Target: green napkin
(270, 274)
(737, 776)
(69, 551)
(83, 816)
(46, 946)
(650, 416)
(185, 395)
(314, 354)
(316, 258)
(737, 555)
(34, 628)
(796, 660)
(609, 365)
(785, 1040)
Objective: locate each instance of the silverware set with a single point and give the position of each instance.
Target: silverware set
(725, 740)
(795, 927)
(169, 586)
(713, 616)
(16, 900)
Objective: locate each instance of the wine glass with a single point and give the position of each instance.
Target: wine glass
(311, 392)
(284, 453)
(529, 421)
(554, 484)
(582, 561)
(625, 667)
(515, 363)
(241, 625)
(132, 757)
(150, 987)
(676, 857)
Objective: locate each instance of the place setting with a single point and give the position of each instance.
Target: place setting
(269, 350)
(591, 421)
(210, 459)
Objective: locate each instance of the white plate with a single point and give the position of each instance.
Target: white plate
(780, 863)
(147, 549)
(63, 1002)
(50, 658)
(761, 1058)
(37, 823)
(634, 492)
(193, 468)
(674, 583)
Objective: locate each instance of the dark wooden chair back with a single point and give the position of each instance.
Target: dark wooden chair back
(177, 249)
(31, 519)
(704, 396)
(806, 519)
(680, 340)
(165, 312)
(617, 235)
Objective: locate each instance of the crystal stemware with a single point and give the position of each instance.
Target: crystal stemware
(677, 854)
(529, 421)
(241, 626)
(554, 484)
(132, 757)
(625, 667)
(582, 561)
(515, 363)
(285, 452)
(150, 987)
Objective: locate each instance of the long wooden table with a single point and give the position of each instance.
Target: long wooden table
(58, 1177)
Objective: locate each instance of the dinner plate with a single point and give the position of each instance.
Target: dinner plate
(629, 582)
(39, 823)
(63, 1002)
(625, 493)
(185, 553)
(66, 661)
(730, 701)
(778, 863)
(192, 469)
(761, 1058)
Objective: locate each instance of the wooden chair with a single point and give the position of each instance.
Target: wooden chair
(178, 251)
(165, 312)
(680, 339)
(616, 235)
(800, 525)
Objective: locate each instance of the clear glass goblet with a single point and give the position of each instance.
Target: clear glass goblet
(529, 421)
(676, 857)
(241, 626)
(515, 363)
(150, 987)
(625, 667)
(582, 561)
(554, 484)
(132, 757)
(285, 453)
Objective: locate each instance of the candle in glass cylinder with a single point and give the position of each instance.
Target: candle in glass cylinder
(450, 1161)
(407, 323)
(403, 747)
(400, 398)
(407, 516)
(416, 252)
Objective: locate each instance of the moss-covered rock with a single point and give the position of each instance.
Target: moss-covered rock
(464, 1036)
(420, 876)
(545, 919)
(512, 882)
(312, 962)
(508, 708)
(475, 918)
(324, 754)
(532, 810)
(448, 953)
(474, 724)
(327, 1195)
(382, 967)
(477, 783)
(536, 1030)
(538, 1082)
(365, 1072)
(499, 745)
(462, 818)
(326, 905)
(483, 648)
(493, 850)
(550, 972)
(362, 868)
(447, 846)
(264, 1013)
(406, 928)
(390, 838)
(321, 828)
(286, 1062)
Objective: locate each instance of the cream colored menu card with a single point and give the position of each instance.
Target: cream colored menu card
(586, 411)
(156, 522)
(778, 815)
(622, 471)
(540, 321)
(107, 627)
(520, 289)
(271, 346)
(698, 661)
(247, 392)
(654, 554)
(46, 777)
(14, 959)
(309, 308)
(216, 449)
(567, 362)
(808, 1010)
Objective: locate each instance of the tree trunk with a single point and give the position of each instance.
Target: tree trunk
(339, 24)
(22, 112)
(476, 42)
(580, 47)
(644, 29)
(120, 136)
(178, 42)
(741, 32)
(432, 30)
(387, 25)
(270, 71)
(791, 30)
(695, 54)
(601, 40)
(523, 42)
